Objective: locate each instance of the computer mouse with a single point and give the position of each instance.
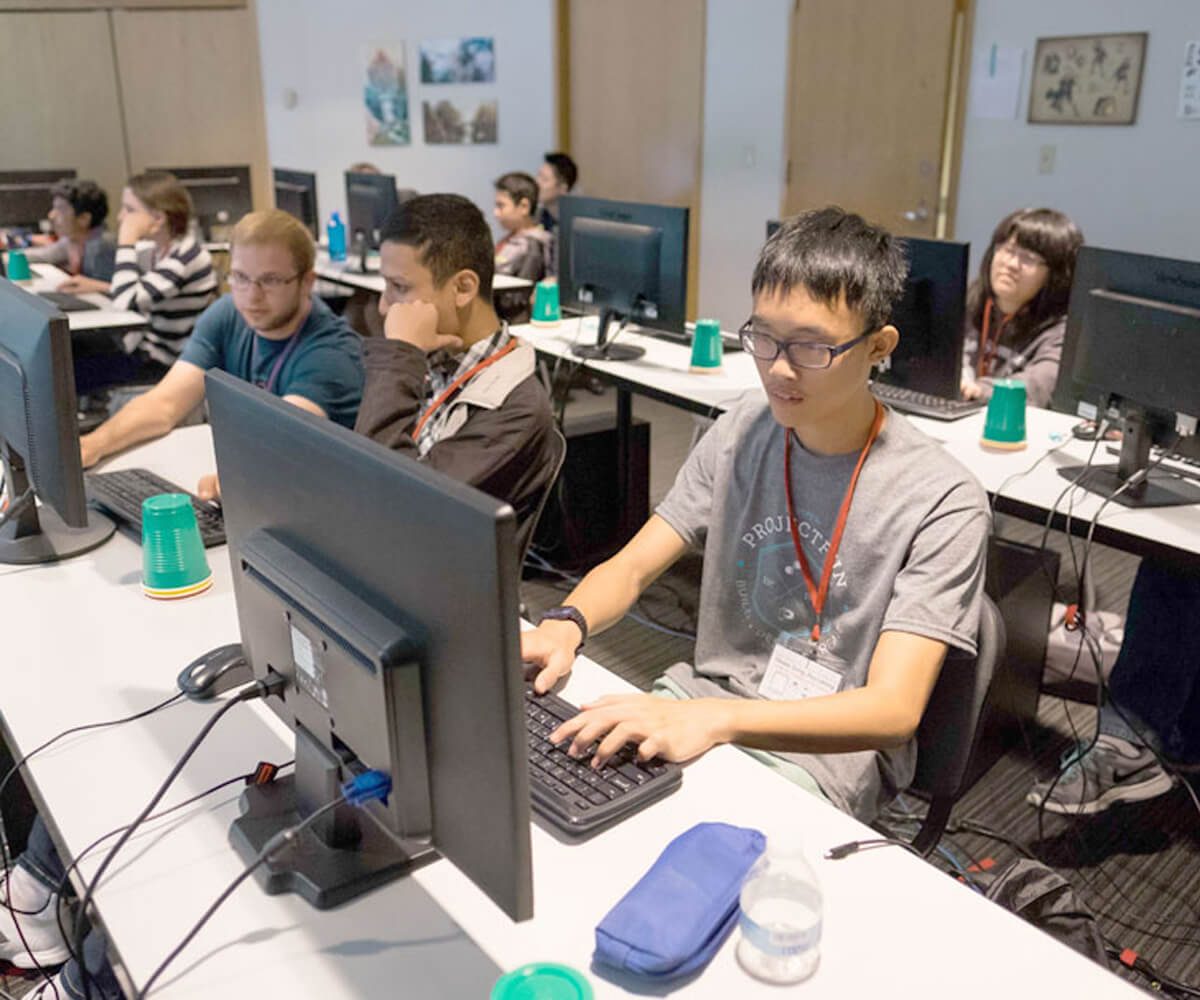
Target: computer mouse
(215, 672)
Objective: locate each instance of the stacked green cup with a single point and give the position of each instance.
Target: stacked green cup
(173, 560)
(1004, 427)
(542, 981)
(18, 266)
(545, 303)
(707, 347)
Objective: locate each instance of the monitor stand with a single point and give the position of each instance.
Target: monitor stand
(604, 349)
(343, 855)
(38, 534)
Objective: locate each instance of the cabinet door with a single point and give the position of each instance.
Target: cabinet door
(192, 91)
(60, 102)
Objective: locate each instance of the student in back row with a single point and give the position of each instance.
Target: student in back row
(84, 249)
(1017, 308)
(524, 250)
(270, 330)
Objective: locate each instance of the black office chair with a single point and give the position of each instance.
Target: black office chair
(558, 455)
(952, 724)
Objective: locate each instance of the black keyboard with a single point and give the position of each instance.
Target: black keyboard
(121, 494)
(923, 404)
(572, 796)
(68, 303)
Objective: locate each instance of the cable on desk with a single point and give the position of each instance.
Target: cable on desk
(12, 771)
(258, 689)
(17, 507)
(251, 778)
(366, 787)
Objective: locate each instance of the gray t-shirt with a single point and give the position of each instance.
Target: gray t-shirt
(911, 560)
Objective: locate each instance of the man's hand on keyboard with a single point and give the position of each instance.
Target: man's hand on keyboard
(209, 488)
(659, 727)
(971, 390)
(549, 652)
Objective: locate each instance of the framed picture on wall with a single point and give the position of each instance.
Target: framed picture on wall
(1087, 79)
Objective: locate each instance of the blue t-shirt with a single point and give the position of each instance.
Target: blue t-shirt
(324, 365)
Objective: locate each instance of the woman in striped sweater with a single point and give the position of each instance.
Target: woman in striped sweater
(171, 283)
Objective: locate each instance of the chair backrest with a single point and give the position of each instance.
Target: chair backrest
(558, 455)
(953, 722)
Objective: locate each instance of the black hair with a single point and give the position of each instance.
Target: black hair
(564, 167)
(449, 233)
(1056, 239)
(831, 254)
(83, 196)
(519, 187)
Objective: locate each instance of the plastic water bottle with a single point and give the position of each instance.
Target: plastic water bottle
(781, 916)
(336, 232)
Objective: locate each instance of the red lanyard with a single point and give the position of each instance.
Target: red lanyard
(457, 383)
(818, 596)
(987, 352)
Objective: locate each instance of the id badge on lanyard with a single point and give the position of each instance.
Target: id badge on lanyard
(792, 674)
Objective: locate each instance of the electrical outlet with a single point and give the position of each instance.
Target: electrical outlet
(1046, 157)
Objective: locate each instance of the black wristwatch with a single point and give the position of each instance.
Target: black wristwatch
(567, 613)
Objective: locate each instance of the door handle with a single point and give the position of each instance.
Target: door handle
(918, 214)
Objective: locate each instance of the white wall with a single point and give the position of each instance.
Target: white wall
(745, 84)
(1131, 187)
(315, 48)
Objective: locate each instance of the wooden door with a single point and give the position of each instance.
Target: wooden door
(192, 91)
(60, 102)
(874, 118)
(635, 80)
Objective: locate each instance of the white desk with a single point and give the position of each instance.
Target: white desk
(345, 272)
(82, 645)
(47, 278)
(1171, 533)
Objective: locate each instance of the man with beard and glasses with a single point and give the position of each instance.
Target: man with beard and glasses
(270, 330)
(843, 549)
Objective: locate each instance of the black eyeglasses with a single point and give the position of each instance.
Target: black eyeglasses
(800, 353)
(265, 283)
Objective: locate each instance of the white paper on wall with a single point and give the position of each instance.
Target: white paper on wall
(996, 82)
(1189, 82)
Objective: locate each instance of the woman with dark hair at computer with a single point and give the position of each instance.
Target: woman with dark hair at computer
(1017, 307)
(84, 248)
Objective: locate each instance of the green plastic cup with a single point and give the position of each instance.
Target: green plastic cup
(542, 981)
(706, 346)
(18, 266)
(545, 303)
(173, 560)
(1004, 426)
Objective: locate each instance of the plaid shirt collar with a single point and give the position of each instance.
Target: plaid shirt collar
(444, 369)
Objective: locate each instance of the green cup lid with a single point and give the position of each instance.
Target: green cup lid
(542, 981)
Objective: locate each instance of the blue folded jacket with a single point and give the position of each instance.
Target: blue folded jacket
(674, 920)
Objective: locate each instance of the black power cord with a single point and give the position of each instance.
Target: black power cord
(258, 689)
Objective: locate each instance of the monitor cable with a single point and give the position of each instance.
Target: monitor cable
(366, 787)
(261, 688)
(17, 507)
(5, 859)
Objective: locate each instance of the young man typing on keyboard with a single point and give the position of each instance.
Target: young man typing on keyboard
(270, 330)
(843, 549)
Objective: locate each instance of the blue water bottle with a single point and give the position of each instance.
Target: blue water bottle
(336, 231)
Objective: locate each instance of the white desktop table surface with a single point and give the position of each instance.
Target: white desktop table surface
(345, 272)
(83, 645)
(663, 373)
(47, 278)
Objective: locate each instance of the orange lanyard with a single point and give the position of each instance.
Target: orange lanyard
(817, 596)
(987, 351)
(454, 386)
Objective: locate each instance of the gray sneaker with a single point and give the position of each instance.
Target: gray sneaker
(1112, 771)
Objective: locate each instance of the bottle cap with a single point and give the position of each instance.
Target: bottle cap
(542, 981)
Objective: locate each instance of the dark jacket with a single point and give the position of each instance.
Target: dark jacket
(500, 434)
(1034, 361)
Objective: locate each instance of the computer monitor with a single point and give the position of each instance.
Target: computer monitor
(930, 318)
(39, 442)
(220, 195)
(25, 195)
(1132, 354)
(370, 199)
(627, 261)
(296, 194)
(385, 593)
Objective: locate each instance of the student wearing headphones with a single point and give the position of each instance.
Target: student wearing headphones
(1017, 308)
(843, 549)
